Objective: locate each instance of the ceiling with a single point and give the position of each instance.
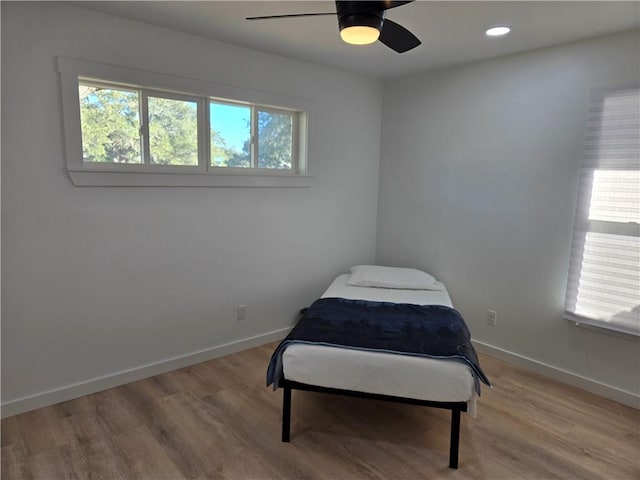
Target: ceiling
(451, 32)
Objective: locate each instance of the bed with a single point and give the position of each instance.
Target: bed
(320, 363)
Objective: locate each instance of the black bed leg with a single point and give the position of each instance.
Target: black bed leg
(286, 414)
(455, 438)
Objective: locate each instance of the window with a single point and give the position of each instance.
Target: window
(171, 130)
(251, 136)
(110, 120)
(230, 135)
(127, 127)
(604, 274)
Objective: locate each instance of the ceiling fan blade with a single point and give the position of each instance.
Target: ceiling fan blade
(291, 15)
(398, 38)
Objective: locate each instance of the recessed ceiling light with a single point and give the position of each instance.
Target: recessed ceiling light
(497, 31)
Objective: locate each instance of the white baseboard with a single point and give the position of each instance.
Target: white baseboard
(621, 396)
(69, 392)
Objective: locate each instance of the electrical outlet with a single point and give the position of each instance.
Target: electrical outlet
(241, 312)
(492, 318)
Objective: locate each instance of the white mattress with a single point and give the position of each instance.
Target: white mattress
(381, 373)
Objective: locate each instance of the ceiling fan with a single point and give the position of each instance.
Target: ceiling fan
(364, 22)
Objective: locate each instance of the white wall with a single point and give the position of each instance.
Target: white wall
(478, 183)
(98, 281)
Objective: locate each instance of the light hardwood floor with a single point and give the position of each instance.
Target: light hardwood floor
(217, 420)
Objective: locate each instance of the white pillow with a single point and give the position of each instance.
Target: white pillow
(391, 277)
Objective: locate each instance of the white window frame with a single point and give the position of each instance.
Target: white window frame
(254, 138)
(202, 135)
(82, 173)
(607, 149)
(143, 98)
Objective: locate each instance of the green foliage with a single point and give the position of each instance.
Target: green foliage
(110, 120)
(173, 131)
(275, 132)
(219, 151)
(274, 140)
(224, 156)
(110, 125)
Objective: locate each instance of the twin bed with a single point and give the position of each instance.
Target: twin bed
(418, 350)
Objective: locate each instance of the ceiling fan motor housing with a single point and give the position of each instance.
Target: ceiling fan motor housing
(352, 14)
(363, 20)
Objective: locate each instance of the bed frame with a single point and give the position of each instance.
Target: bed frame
(455, 407)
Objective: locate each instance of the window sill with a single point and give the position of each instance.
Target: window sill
(94, 178)
(621, 331)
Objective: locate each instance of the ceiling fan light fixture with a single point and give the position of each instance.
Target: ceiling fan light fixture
(359, 35)
(362, 22)
(360, 28)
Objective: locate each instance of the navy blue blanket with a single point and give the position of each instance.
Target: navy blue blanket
(433, 331)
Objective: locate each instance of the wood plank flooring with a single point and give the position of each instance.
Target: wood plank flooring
(217, 420)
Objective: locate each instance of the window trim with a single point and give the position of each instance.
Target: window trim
(579, 320)
(71, 70)
(592, 161)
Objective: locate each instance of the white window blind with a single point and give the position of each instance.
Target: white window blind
(604, 272)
